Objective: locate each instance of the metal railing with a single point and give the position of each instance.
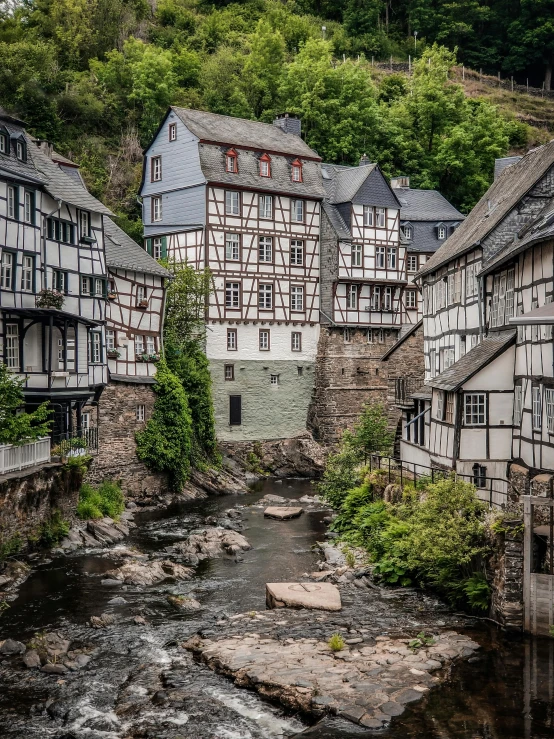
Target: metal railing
(404, 387)
(14, 458)
(401, 472)
(76, 443)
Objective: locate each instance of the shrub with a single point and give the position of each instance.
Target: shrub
(336, 643)
(107, 500)
(51, 531)
(17, 427)
(11, 546)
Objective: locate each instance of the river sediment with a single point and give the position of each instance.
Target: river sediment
(138, 682)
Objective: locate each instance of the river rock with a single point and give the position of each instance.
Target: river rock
(31, 659)
(182, 603)
(364, 685)
(333, 555)
(102, 621)
(210, 543)
(150, 573)
(283, 513)
(106, 531)
(322, 596)
(9, 647)
(54, 669)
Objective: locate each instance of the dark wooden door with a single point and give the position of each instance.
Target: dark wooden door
(235, 410)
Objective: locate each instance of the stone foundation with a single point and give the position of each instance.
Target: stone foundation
(507, 585)
(117, 426)
(28, 498)
(297, 457)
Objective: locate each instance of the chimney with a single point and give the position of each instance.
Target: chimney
(289, 123)
(399, 182)
(46, 147)
(364, 160)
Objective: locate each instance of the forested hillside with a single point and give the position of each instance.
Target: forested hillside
(95, 76)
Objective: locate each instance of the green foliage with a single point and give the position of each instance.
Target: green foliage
(342, 472)
(336, 643)
(10, 547)
(106, 500)
(436, 537)
(370, 433)
(166, 443)
(420, 641)
(18, 427)
(78, 464)
(51, 531)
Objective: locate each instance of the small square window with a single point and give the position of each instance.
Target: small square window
(140, 413)
(229, 371)
(274, 379)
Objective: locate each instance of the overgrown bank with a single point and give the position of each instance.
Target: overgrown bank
(435, 535)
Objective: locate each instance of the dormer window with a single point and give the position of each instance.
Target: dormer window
(3, 142)
(441, 233)
(265, 166)
(21, 150)
(231, 161)
(297, 171)
(408, 233)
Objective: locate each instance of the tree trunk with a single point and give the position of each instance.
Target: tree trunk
(548, 76)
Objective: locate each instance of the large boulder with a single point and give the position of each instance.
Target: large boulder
(149, 573)
(210, 543)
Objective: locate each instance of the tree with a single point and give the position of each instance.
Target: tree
(370, 433)
(165, 445)
(186, 301)
(17, 427)
(263, 68)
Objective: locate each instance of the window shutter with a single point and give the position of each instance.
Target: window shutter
(148, 243)
(164, 247)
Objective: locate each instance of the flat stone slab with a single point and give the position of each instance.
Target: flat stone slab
(366, 684)
(322, 596)
(283, 513)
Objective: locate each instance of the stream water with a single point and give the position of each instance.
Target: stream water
(505, 693)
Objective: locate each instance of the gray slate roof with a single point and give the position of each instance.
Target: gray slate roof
(212, 162)
(342, 183)
(501, 164)
(501, 197)
(462, 370)
(337, 222)
(124, 253)
(425, 205)
(224, 129)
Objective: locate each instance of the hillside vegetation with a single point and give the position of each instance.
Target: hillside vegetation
(95, 77)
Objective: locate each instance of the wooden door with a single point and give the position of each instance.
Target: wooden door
(235, 410)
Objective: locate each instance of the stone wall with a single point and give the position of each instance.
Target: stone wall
(297, 457)
(117, 425)
(507, 573)
(351, 374)
(29, 498)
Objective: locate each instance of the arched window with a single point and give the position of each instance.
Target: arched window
(265, 165)
(296, 171)
(231, 161)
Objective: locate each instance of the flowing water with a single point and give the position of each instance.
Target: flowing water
(505, 693)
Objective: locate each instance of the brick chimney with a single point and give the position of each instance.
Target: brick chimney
(364, 160)
(289, 123)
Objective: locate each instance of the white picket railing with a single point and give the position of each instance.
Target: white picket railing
(14, 458)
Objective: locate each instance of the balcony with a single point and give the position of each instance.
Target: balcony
(404, 388)
(14, 458)
(76, 443)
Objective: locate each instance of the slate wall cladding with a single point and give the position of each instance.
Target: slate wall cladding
(268, 411)
(29, 498)
(328, 267)
(117, 424)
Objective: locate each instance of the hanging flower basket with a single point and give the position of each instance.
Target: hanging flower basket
(113, 354)
(50, 299)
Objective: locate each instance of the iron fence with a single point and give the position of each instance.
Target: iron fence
(399, 471)
(75, 443)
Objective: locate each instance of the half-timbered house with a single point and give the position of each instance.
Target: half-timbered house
(427, 219)
(243, 198)
(485, 400)
(53, 278)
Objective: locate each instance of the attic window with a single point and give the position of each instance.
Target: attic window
(172, 132)
(3, 143)
(265, 166)
(297, 171)
(231, 161)
(408, 232)
(441, 233)
(21, 150)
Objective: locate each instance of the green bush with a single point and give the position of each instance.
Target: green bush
(106, 500)
(51, 531)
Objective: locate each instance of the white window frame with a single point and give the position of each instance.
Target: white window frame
(297, 211)
(265, 249)
(376, 298)
(297, 298)
(98, 287)
(449, 358)
(84, 223)
(12, 357)
(296, 173)
(411, 299)
(140, 413)
(380, 217)
(95, 347)
(368, 216)
(518, 405)
(7, 270)
(28, 211)
(391, 257)
(265, 169)
(140, 347)
(172, 132)
(265, 206)
(439, 412)
(232, 247)
(352, 297)
(380, 256)
(412, 263)
(264, 339)
(475, 409)
(296, 341)
(442, 233)
(387, 298)
(150, 345)
(536, 406)
(297, 253)
(156, 208)
(27, 270)
(157, 247)
(232, 203)
(110, 340)
(265, 296)
(549, 406)
(356, 255)
(232, 295)
(156, 169)
(232, 340)
(408, 234)
(12, 202)
(274, 379)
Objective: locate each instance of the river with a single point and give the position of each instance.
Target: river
(507, 692)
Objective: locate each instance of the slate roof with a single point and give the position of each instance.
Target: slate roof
(343, 183)
(224, 129)
(464, 369)
(212, 162)
(425, 205)
(124, 253)
(501, 197)
(337, 222)
(501, 164)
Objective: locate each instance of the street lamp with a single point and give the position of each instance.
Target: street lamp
(415, 42)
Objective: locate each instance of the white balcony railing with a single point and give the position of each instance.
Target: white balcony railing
(13, 458)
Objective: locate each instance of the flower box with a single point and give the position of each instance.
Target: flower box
(142, 304)
(113, 354)
(48, 298)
